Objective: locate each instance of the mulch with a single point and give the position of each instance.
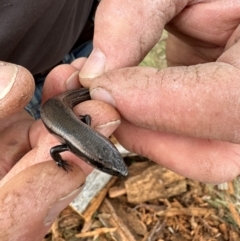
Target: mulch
(153, 204)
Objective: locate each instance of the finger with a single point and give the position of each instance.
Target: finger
(61, 78)
(214, 30)
(198, 159)
(124, 33)
(104, 116)
(198, 101)
(79, 63)
(14, 140)
(105, 119)
(44, 190)
(179, 53)
(196, 43)
(16, 88)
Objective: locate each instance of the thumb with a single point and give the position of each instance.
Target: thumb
(36, 196)
(195, 101)
(125, 31)
(16, 88)
(179, 100)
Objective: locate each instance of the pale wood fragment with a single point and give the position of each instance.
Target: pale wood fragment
(190, 211)
(172, 191)
(97, 200)
(95, 232)
(110, 218)
(116, 191)
(154, 182)
(95, 203)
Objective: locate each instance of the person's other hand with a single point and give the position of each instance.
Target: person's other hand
(33, 190)
(185, 118)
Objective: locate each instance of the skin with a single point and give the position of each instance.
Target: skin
(26, 167)
(184, 117)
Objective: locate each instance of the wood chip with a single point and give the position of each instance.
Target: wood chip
(114, 220)
(154, 182)
(190, 211)
(96, 232)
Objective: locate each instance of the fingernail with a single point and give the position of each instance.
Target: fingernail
(94, 66)
(73, 81)
(8, 74)
(103, 95)
(109, 128)
(60, 205)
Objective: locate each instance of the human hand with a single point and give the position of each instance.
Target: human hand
(34, 190)
(185, 118)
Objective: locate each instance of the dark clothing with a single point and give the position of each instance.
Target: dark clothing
(37, 34)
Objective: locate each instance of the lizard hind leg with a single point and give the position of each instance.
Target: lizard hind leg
(86, 119)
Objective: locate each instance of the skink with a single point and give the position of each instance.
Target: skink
(77, 136)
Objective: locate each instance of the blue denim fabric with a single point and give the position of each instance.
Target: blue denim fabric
(34, 105)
